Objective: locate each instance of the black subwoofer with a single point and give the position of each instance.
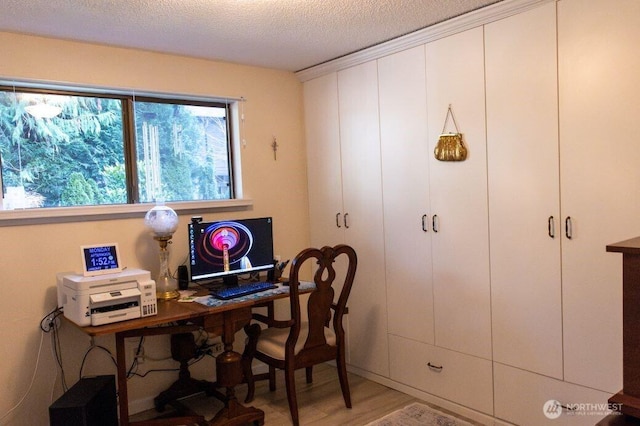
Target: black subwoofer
(90, 402)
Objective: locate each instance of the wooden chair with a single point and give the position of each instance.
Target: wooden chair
(304, 342)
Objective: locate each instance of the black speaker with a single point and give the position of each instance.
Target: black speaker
(90, 402)
(183, 277)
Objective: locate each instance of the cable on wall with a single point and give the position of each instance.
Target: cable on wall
(46, 325)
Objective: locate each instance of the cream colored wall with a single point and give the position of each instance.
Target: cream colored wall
(30, 256)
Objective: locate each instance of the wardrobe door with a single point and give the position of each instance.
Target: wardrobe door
(523, 173)
(600, 154)
(458, 191)
(405, 158)
(362, 197)
(324, 170)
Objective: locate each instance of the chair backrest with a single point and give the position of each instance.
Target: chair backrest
(321, 300)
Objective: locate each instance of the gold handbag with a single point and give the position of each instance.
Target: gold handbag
(450, 146)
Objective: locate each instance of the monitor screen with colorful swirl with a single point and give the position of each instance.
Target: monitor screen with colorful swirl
(226, 249)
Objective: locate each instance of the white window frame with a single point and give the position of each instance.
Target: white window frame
(137, 210)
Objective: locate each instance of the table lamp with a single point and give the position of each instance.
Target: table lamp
(163, 222)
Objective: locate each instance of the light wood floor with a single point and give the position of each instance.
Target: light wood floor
(319, 403)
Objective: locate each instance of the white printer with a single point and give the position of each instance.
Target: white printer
(103, 299)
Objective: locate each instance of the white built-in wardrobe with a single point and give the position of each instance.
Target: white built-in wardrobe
(485, 283)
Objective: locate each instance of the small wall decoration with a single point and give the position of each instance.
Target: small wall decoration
(450, 146)
(274, 147)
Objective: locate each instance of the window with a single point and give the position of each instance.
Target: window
(68, 149)
(182, 151)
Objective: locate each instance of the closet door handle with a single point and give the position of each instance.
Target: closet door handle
(434, 223)
(569, 407)
(568, 228)
(434, 367)
(425, 227)
(338, 220)
(346, 224)
(551, 227)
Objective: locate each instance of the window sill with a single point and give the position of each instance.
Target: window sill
(119, 211)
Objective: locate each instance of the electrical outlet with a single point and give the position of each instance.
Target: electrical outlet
(217, 348)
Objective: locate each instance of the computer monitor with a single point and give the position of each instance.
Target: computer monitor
(228, 248)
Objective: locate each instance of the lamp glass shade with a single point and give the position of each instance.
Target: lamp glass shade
(163, 222)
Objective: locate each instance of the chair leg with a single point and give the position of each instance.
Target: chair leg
(344, 382)
(289, 377)
(272, 378)
(309, 371)
(253, 332)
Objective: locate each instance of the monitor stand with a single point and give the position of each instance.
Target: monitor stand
(230, 281)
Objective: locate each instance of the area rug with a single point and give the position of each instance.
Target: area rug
(417, 414)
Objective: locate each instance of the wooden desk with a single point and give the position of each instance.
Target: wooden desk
(222, 321)
(628, 399)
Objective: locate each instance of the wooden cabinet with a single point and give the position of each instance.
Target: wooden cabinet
(524, 199)
(628, 399)
(345, 197)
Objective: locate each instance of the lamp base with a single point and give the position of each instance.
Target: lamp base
(167, 295)
(166, 286)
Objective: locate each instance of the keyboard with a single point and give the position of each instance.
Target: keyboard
(242, 290)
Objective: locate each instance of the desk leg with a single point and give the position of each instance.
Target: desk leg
(229, 374)
(123, 398)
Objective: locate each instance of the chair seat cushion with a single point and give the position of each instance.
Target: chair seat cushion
(272, 340)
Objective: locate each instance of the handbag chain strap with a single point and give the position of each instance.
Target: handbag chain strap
(446, 119)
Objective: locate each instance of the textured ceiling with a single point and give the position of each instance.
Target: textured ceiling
(282, 34)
